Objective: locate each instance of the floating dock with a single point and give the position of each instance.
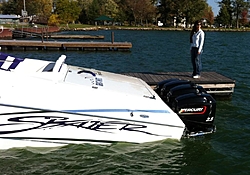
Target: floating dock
(75, 36)
(22, 34)
(214, 83)
(62, 45)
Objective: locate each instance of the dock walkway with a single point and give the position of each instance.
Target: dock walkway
(62, 45)
(214, 83)
(24, 34)
(75, 36)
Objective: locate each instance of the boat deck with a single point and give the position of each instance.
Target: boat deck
(213, 82)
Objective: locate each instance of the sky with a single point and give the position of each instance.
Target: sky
(214, 5)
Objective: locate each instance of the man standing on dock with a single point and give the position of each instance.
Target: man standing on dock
(197, 37)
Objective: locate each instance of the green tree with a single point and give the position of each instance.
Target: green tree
(122, 14)
(142, 10)
(67, 10)
(149, 12)
(44, 7)
(195, 11)
(179, 9)
(10, 7)
(94, 10)
(165, 11)
(233, 9)
(110, 8)
(85, 6)
(238, 7)
(224, 16)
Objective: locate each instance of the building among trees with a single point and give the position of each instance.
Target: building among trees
(9, 19)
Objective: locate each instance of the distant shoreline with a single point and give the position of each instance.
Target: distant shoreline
(153, 28)
(94, 28)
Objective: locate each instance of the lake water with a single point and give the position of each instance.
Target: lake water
(225, 152)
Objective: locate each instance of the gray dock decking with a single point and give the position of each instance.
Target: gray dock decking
(61, 45)
(213, 82)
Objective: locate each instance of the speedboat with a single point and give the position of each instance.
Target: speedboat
(47, 104)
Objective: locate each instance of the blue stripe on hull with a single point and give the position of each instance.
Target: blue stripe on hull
(115, 110)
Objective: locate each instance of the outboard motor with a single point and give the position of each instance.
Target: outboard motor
(159, 85)
(197, 111)
(181, 90)
(167, 86)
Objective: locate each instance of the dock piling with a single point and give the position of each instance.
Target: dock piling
(112, 37)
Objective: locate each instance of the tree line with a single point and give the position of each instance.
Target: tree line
(131, 12)
(233, 13)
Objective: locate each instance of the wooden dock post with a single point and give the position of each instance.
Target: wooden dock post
(112, 37)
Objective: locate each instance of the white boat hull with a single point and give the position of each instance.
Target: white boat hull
(67, 105)
(45, 128)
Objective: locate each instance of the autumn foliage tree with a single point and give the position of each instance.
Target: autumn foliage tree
(142, 10)
(209, 15)
(244, 16)
(54, 20)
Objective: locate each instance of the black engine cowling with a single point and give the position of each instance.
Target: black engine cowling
(191, 102)
(197, 111)
(181, 90)
(167, 86)
(161, 84)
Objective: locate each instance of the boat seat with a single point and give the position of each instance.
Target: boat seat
(59, 63)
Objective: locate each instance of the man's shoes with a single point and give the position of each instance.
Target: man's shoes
(196, 76)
